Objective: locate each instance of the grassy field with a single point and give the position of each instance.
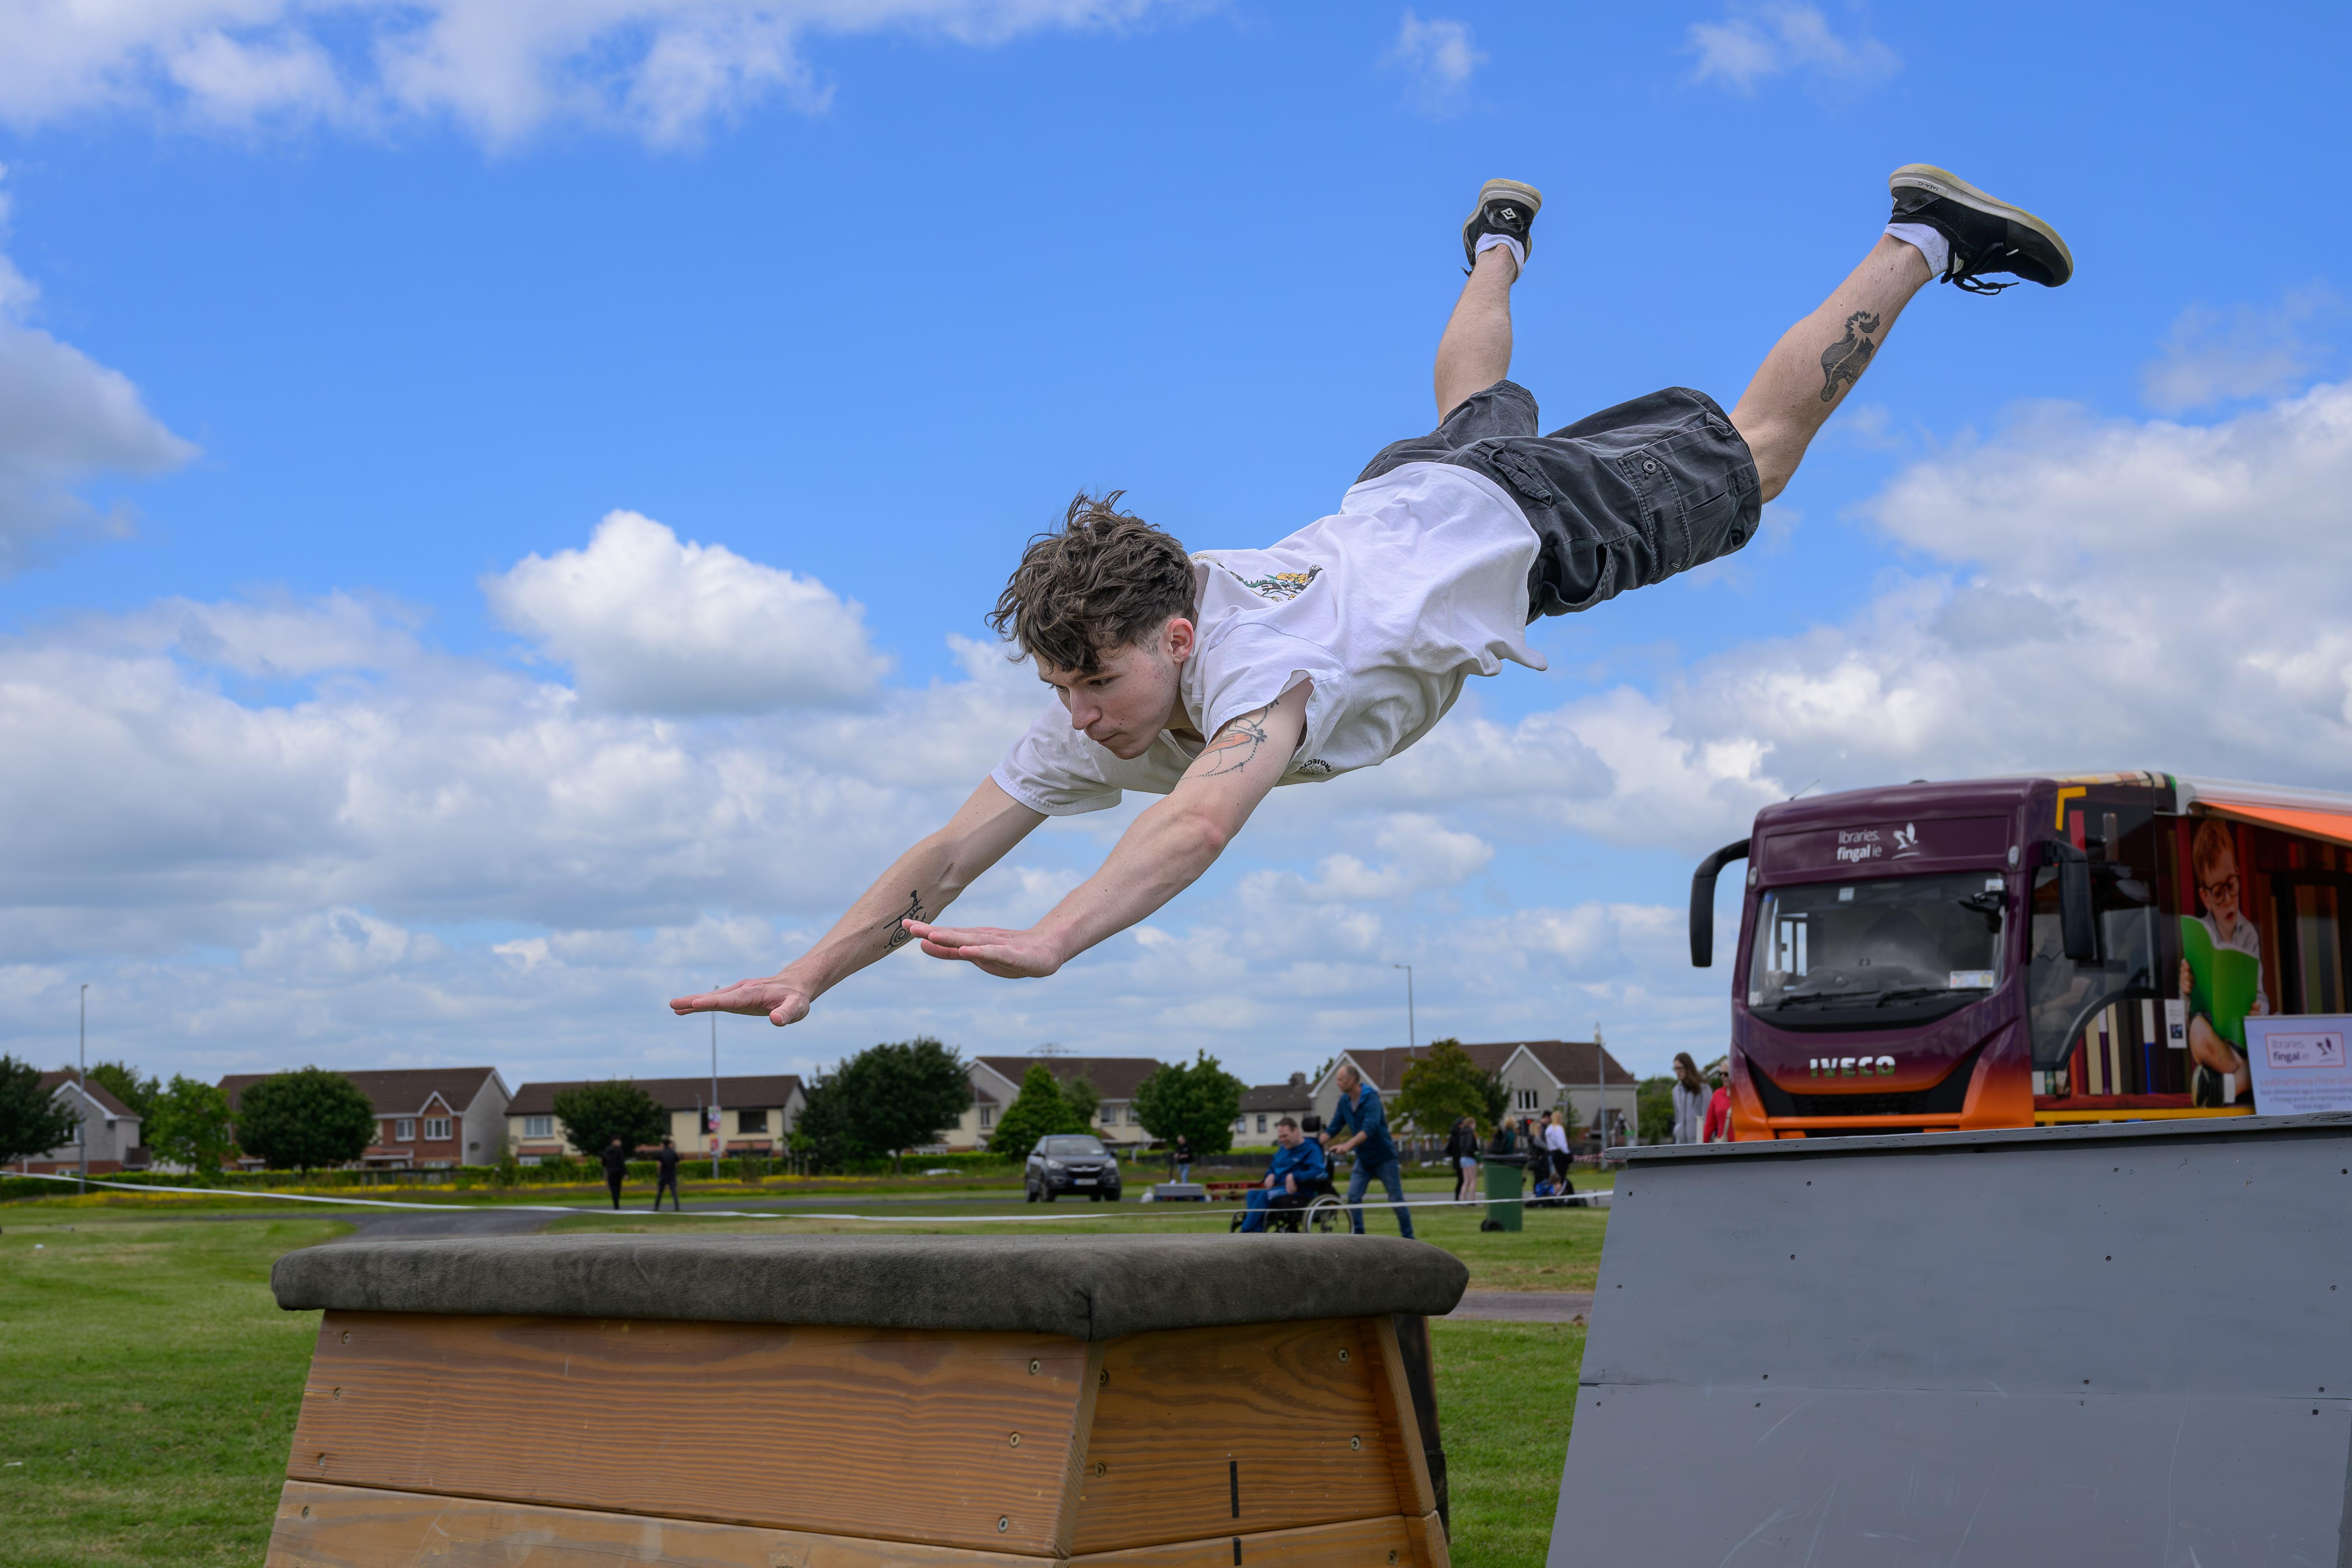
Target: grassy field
(148, 1384)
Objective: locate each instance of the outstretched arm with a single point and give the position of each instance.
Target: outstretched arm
(1162, 852)
(923, 881)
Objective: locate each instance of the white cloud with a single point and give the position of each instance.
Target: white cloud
(501, 69)
(1438, 58)
(2211, 356)
(651, 626)
(64, 419)
(1751, 43)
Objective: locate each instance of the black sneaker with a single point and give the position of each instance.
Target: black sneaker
(1505, 206)
(1986, 236)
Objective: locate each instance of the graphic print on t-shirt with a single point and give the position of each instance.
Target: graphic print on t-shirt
(1282, 586)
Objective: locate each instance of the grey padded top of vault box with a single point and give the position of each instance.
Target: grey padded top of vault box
(1087, 1287)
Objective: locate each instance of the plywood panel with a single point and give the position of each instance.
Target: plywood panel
(1203, 1432)
(354, 1527)
(860, 1432)
(1358, 1544)
(1408, 1465)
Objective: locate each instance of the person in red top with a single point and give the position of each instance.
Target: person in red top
(1718, 1114)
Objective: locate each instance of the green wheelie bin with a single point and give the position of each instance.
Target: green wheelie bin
(1506, 1176)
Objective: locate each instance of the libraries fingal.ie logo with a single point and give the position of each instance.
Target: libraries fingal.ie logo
(2306, 1049)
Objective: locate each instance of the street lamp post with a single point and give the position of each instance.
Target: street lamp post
(81, 1184)
(1411, 1035)
(715, 1140)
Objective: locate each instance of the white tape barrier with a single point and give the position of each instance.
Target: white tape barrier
(1206, 1210)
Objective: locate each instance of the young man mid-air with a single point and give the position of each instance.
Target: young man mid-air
(1209, 679)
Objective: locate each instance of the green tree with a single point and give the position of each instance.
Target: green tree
(306, 1120)
(122, 1080)
(1082, 1097)
(896, 1097)
(1197, 1102)
(594, 1114)
(823, 1131)
(1656, 1098)
(190, 1126)
(1441, 1087)
(31, 1120)
(1039, 1110)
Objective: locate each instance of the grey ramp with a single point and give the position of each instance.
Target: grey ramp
(2110, 1344)
(1089, 1288)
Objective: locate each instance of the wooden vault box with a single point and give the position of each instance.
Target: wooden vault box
(833, 1401)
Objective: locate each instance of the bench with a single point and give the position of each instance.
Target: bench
(1228, 1192)
(856, 1402)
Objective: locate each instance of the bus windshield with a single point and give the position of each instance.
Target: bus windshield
(1887, 950)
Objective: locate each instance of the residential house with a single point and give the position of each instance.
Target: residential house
(110, 1129)
(427, 1118)
(757, 1113)
(996, 1083)
(1268, 1103)
(1539, 1074)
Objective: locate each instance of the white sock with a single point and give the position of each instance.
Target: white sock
(1488, 242)
(1927, 241)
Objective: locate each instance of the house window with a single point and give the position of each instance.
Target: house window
(750, 1121)
(1130, 1117)
(404, 1129)
(1526, 1100)
(436, 1129)
(988, 1116)
(539, 1126)
(1241, 1123)
(1261, 1121)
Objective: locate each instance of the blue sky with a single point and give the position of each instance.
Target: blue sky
(324, 322)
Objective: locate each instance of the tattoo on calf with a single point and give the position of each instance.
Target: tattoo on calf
(1235, 744)
(1847, 358)
(900, 934)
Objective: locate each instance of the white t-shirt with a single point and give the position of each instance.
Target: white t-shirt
(1419, 581)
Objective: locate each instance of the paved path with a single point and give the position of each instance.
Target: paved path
(1525, 1306)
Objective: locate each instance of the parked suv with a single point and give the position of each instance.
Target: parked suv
(1071, 1163)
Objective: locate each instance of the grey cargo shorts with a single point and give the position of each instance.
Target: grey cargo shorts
(1619, 499)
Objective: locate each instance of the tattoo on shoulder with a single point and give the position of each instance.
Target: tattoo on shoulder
(1846, 358)
(1235, 744)
(900, 934)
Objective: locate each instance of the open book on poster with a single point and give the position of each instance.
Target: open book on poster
(2226, 981)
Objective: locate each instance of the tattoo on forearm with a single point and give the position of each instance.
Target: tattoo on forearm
(900, 934)
(1847, 358)
(1235, 744)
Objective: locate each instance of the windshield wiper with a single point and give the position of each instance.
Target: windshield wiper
(1916, 992)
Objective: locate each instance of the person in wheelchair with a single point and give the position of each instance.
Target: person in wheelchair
(1292, 1181)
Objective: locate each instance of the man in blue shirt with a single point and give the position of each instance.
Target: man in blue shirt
(1360, 1113)
(1297, 1164)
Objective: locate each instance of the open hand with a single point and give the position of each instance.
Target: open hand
(1007, 954)
(782, 1001)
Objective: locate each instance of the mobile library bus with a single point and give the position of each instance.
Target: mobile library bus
(2009, 953)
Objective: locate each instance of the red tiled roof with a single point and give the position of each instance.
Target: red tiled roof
(53, 1081)
(751, 1092)
(394, 1091)
(1114, 1077)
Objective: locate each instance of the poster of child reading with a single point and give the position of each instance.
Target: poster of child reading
(2220, 972)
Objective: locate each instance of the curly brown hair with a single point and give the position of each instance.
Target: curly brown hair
(1103, 581)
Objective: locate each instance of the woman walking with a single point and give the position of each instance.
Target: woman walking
(1461, 1153)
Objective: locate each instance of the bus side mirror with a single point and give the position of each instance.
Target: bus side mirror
(2077, 933)
(1702, 910)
